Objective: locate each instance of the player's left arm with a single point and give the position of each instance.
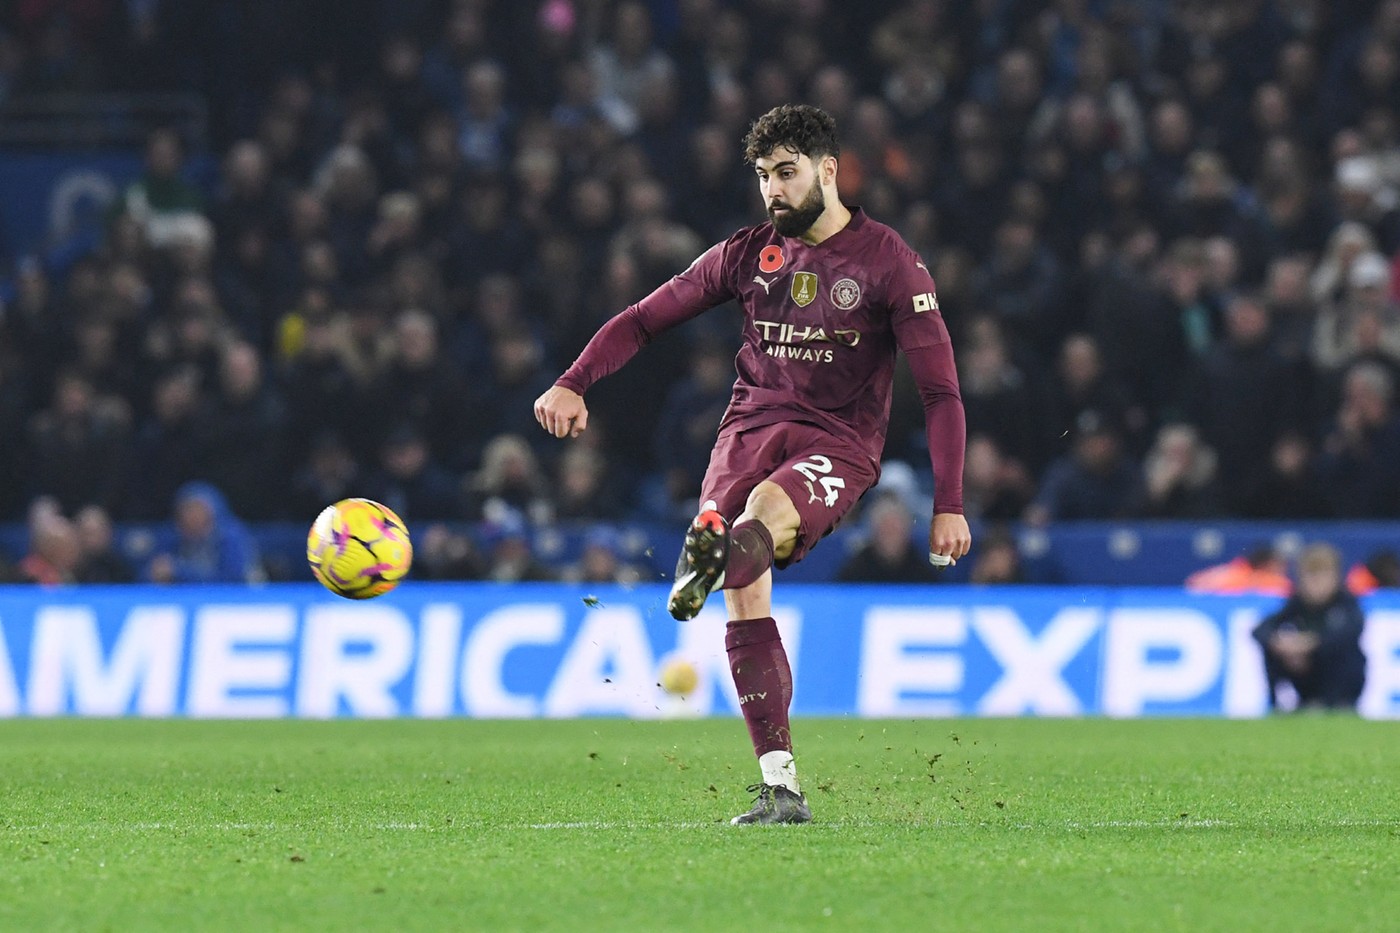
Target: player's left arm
(921, 333)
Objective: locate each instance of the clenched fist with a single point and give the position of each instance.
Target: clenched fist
(948, 539)
(561, 412)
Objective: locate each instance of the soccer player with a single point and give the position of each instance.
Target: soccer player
(828, 294)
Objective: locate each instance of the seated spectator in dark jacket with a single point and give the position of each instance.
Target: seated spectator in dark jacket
(1314, 642)
(1180, 476)
(100, 561)
(410, 482)
(995, 488)
(889, 554)
(1360, 465)
(997, 560)
(1290, 488)
(441, 553)
(1097, 480)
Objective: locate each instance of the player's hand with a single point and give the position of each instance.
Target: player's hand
(948, 537)
(561, 412)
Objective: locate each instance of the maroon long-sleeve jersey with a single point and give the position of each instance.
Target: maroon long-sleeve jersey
(821, 327)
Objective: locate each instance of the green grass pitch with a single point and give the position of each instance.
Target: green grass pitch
(1290, 823)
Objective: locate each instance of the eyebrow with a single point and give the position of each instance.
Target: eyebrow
(776, 166)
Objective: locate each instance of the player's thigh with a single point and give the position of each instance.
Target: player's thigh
(822, 480)
(739, 462)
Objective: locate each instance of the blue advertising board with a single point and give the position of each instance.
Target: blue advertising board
(548, 650)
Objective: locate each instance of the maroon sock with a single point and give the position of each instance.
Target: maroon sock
(750, 554)
(761, 672)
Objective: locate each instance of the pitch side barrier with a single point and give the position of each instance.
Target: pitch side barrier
(547, 650)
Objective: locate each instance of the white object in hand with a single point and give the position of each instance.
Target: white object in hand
(939, 560)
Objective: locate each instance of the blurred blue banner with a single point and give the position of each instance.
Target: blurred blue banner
(50, 197)
(482, 650)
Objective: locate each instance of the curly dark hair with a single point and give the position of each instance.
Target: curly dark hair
(802, 128)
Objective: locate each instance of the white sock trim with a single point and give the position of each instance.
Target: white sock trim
(779, 770)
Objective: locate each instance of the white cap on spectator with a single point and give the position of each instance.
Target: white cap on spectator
(1358, 173)
(1369, 269)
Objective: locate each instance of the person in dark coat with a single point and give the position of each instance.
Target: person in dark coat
(889, 555)
(1096, 481)
(1314, 641)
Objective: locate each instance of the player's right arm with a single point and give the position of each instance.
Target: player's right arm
(561, 410)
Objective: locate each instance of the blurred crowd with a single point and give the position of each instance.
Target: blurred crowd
(1165, 235)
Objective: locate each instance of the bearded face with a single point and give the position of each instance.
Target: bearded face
(795, 221)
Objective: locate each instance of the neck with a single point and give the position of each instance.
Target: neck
(832, 221)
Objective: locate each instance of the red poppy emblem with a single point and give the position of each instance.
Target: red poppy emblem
(771, 259)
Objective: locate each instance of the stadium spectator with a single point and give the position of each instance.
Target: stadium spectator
(1365, 323)
(889, 554)
(1313, 643)
(54, 549)
(79, 447)
(244, 442)
(100, 561)
(1097, 480)
(1291, 487)
(440, 553)
(162, 201)
(511, 556)
(168, 450)
(510, 480)
(995, 488)
(1380, 570)
(1291, 308)
(1000, 399)
(997, 561)
(584, 488)
(410, 481)
(420, 387)
(1021, 284)
(1332, 275)
(601, 560)
(1360, 462)
(329, 474)
(210, 544)
(1263, 571)
(1245, 395)
(1179, 476)
(1081, 384)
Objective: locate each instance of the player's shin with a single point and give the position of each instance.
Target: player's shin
(763, 677)
(750, 554)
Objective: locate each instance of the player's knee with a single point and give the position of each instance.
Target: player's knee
(770, 504)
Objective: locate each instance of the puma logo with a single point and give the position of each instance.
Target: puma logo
(766, 285)
(812, 492)
(750, 697)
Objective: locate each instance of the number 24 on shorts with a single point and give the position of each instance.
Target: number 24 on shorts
(831, 485)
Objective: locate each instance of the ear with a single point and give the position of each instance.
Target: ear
(828, 170)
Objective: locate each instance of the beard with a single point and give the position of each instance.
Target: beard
(796, 221)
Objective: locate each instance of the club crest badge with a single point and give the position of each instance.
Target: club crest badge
(845, 294)
(771, 259)
(804, 288)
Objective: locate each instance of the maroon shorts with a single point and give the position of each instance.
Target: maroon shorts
(823, 476)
